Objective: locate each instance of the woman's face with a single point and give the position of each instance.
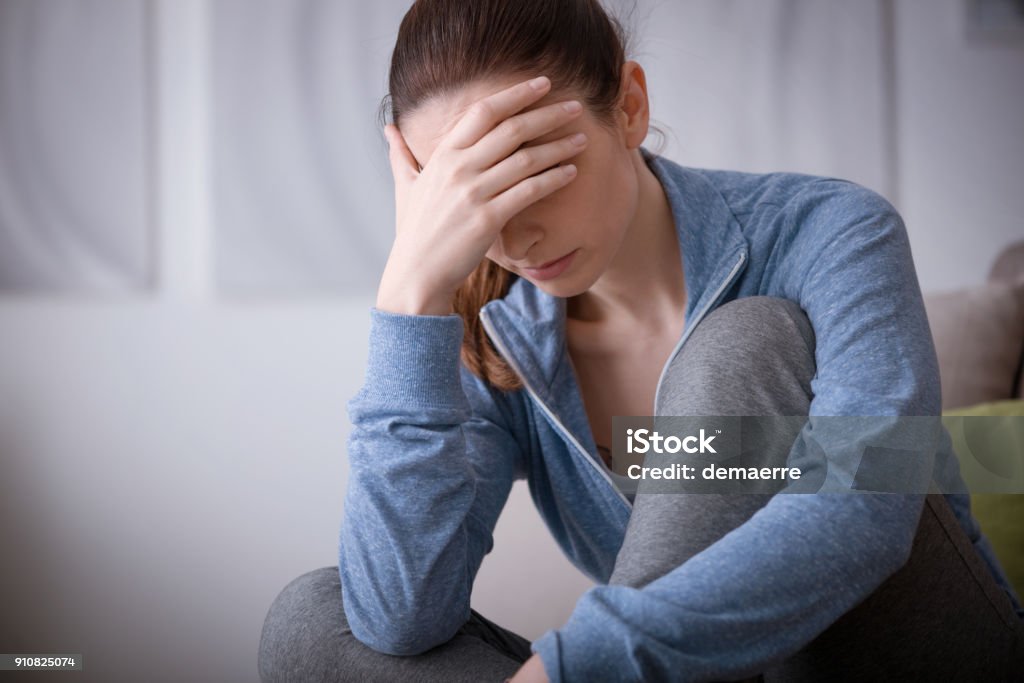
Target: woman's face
(585, 221)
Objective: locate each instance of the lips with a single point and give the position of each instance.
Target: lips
(551, 269)
(546, 265)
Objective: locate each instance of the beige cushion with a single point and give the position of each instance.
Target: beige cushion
(1009, 264)
(1009, 267)
(979, 338)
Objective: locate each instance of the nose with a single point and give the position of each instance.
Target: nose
(517, 237)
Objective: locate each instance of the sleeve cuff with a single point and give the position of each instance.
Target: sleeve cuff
(415, 359)
(592, 645)
(549, 647)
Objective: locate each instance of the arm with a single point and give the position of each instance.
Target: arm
(770, 586)
(432, 458)
(432, 463)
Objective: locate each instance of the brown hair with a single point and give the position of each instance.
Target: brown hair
(444, 45)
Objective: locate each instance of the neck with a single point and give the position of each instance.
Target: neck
(644, 284)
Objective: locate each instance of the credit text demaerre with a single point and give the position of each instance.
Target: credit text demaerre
(643, 441)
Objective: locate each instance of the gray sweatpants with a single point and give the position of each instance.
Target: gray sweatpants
(941, 616)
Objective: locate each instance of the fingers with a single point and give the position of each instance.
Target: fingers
(484, 115)
(404, 166)
(518, 197)
(513, 133)
(529, 161)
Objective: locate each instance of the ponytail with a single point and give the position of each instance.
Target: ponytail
(487, 282)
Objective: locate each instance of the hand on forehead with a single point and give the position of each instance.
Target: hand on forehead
(425, 127)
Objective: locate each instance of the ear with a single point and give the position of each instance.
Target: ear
(635, 113)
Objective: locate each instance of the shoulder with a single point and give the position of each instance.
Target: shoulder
(796, 196)
(792, 217)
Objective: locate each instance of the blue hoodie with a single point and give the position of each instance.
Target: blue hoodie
(434, 450)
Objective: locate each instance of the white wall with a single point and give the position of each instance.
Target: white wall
(961, 141)
(169, 459)
(899, 95)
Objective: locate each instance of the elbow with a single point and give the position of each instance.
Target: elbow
(398, 637)
(906, 530)
(896, 556)
(401, 624)
(899, 516)
(394, 644)
(394, 614)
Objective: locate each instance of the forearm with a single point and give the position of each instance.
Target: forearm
(753, 598)
(405, 554)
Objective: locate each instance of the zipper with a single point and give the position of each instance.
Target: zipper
(566, 434)
(718, 294)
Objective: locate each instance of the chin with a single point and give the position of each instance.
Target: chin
(564, 287)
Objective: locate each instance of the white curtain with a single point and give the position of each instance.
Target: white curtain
(302, 195)
(301, 198)
(73, 154)
(767, 85)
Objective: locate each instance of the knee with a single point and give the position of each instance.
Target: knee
(666, 531)
(754, 325)
(304, 630)
(753, 355)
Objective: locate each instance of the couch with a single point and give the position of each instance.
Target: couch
(979, 339)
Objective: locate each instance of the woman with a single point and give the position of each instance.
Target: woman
(549, 273)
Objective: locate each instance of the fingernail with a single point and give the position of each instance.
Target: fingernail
(539, 83)
(578, 139)
(572, 107)
(569, 170)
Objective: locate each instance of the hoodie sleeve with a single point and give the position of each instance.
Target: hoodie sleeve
(771, 585)
(431, 465)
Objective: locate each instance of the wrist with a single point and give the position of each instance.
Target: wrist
(410, 301)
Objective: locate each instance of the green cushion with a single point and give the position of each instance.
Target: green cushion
(1014, 408)
(1001, 516)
